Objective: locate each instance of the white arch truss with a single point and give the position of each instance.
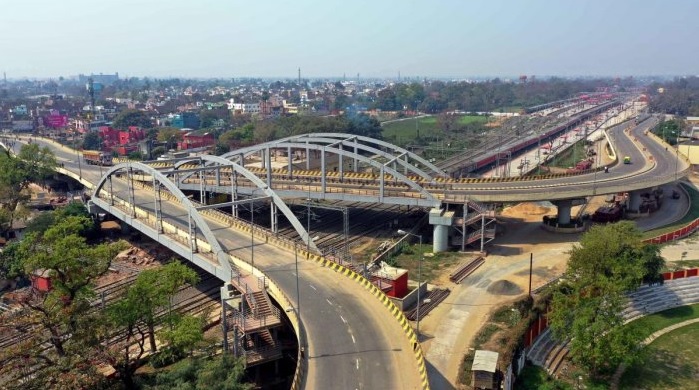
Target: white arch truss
(278, 202)
(397, 154)
(223, 269)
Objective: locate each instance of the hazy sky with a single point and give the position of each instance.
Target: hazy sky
(377, 38)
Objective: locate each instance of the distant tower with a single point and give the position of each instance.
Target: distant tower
(299, 77)
(399, 76)
(4, 78)
(91, 92)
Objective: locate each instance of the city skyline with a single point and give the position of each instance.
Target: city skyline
(450, 39)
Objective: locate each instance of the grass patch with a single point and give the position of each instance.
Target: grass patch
(468, 119)
(672, 363)
(571, 156)
(433, 264)
(535, 377)
(405, 131)
(663, 319)
(484, 335)
(508, 316)
(691, 215)
(680, 265)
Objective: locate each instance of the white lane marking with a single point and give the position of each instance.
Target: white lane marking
(328, 301)
(343, 319)
(353, 340)
(293, 273)
(357, 364)
(313, 287)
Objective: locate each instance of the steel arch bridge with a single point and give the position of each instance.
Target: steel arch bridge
(387, 160)
(334, 142)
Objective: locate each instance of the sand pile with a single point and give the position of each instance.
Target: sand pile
(504, 287)
(527, 208)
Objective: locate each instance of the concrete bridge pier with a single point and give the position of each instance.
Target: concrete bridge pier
(634, 201)
(442, 221)
(564, 206)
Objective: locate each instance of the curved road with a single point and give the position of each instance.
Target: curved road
(642, 173)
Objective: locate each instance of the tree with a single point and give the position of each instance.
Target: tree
(211, 373)
(136, 315)
(169, 135)
(610, 261)
(447, 122)
(186, 333)
(61, 317)
(128, 118)
(92, 141)
(33, 164)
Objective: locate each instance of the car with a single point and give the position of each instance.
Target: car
(627, 160)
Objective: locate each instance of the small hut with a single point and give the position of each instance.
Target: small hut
(484, 370)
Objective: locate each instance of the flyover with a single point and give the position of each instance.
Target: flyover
(394, 176)
(325, 294)
(355, 340)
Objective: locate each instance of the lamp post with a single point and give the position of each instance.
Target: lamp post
(298, 291)
(252, 229)
(419, 277)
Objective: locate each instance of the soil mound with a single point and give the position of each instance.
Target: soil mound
(504, 287)
(527, 208)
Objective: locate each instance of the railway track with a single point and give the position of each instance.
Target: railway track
(429, 302)
(193, 300)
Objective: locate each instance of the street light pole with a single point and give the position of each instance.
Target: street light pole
(419, 281)
(252, 230)
(298, 293)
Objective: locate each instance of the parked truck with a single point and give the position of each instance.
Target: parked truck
(95, 157)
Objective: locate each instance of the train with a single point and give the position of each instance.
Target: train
(536, 140)
(96, 157)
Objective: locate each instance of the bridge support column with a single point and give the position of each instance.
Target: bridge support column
(634, 201)
(441, 220)
(564, 207)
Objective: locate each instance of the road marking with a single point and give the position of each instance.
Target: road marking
(293, 273)
(353, 340)
(343, 319)
(329, 303)
(357, 364)
(313, 287)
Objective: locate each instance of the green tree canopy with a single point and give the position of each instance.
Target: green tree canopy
(61, 317)
(92, 141)
(610, 261)
(128, 118)
(33, 164)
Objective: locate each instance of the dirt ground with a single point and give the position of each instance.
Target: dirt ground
(448, 330)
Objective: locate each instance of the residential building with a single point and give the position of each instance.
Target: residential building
(193, 141)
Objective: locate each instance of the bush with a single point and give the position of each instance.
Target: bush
(165, 357)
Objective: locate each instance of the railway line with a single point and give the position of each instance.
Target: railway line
(192, 300)
(485, 156)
